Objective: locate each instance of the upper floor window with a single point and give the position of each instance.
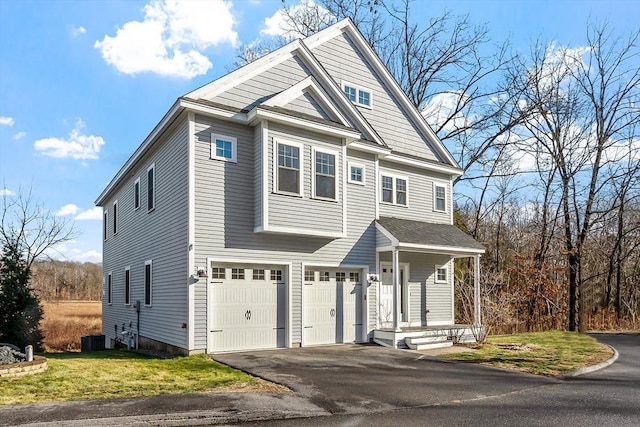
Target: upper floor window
(151, 187)
(356, 173)
(289, 174)
(115, 217)
(439, 198)
(357, 95)
(105, 224)
(224, 147)
(136, 194)
(394, 190)
(325, 175)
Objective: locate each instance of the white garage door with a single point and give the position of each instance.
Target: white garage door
(248, 307)
(332, 306)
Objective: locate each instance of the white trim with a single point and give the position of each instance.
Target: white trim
(115, 223)
(393, 240)
(299, 89)
(155, 189)
(127, 268)
(336, 187)
(406, 270)
(344, 189)
(358, 89)
(276, 229)
(446, 250)
(366, 148)
(301, 157)
(259, 114)
(434, 167)
(437, 184)
(191, 250)
(377, 191)
(144, 284)
(394, 195)
(351, 164)
(265, 170)
(215, 137)
(136, 184)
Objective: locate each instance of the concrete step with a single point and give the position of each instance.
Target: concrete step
(430, 346)
(425, 339)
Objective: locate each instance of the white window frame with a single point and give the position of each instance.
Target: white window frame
(150, 264)
(137, 194)
(394, 194)
(301, 158)
(355, 165)
(435, 200)
(335, 170)
(115, 218)
(444, 267)
(110, 288)
(105, 224)
(358, 89)
(215, 137)
(127, 295)
(153, 188)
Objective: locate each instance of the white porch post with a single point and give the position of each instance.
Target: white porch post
(477, 320)
(396, 291)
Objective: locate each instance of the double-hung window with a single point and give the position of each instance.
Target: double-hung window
(151, 187)
(288, 176)
(324, 175)
(394, 190)
(439, 198)
(136, 194)
(224, 148)
(357, 95)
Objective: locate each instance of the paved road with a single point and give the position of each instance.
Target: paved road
(370, 385)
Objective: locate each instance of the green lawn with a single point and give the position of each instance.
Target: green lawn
(544, 353)
(115, 374)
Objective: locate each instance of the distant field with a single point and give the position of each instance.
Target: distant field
(65, 322)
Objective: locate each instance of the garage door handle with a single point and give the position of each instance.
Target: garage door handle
(278, 328)
(332, 312)
(216, 330)
(247, 315)
(308, 327)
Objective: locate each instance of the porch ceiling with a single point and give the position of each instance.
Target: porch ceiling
(422, 236)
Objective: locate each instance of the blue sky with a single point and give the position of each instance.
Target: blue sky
(83, 82)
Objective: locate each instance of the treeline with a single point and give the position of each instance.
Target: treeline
(66, 280)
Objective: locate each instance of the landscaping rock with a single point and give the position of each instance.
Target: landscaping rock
(9, 355)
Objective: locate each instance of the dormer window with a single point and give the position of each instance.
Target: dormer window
(357, 95)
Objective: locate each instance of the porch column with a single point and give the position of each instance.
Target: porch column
(396, 291)
(477, 320)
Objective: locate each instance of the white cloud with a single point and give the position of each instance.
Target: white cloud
(6, 192)
(69, 209)
(76, 31)
(442, 107)
(19, 135)
(170, 39)
(88, 256)
(6, 121)
(78, 146)
(90, 214)
(281, 25)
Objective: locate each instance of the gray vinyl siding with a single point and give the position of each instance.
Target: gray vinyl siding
(139, 234)
(420, 194)
(305, 212)
(224, 217)
(306, 104)
(428, 301)
(257, 178)
(261, 87)
(343, 62)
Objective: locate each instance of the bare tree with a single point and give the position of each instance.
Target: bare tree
(31, 228)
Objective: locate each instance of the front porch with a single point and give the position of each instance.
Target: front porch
(425, 337)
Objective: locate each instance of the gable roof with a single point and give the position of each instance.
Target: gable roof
(416, 235)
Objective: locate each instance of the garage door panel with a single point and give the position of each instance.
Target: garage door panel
(247, 314)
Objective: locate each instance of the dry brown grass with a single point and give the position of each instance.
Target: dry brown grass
(65, 322)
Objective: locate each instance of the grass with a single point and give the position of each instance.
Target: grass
(65, 322)
(543, 353)
(118, 374)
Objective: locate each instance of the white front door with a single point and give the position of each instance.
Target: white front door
(247, 307)
(332, 306)
(385, 303)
